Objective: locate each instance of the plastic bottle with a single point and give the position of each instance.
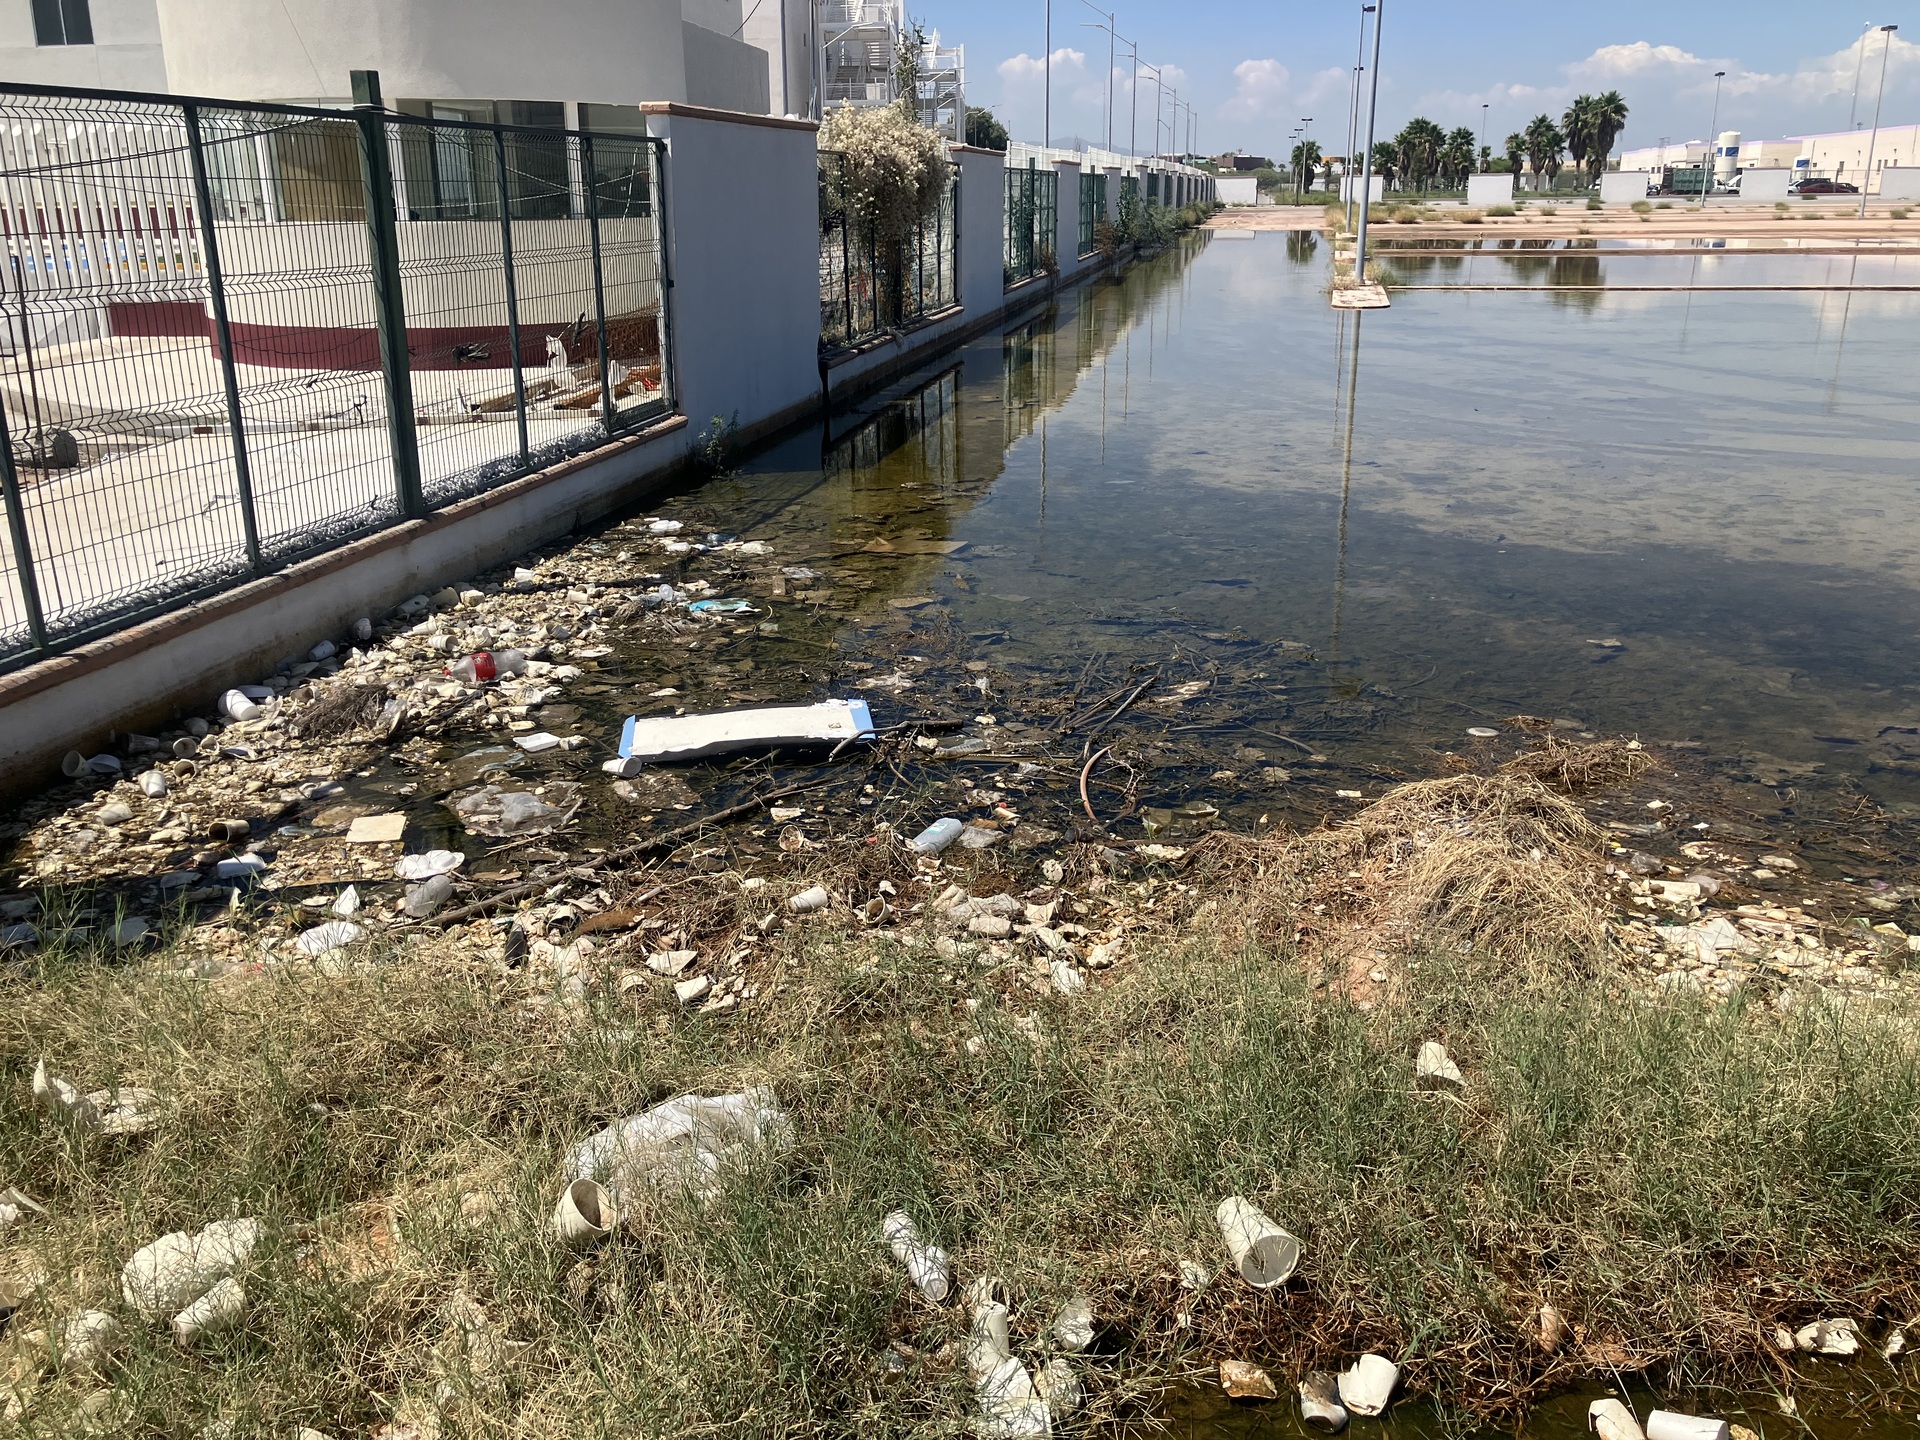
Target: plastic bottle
(936, 837)
(476, 668)
(509, 662)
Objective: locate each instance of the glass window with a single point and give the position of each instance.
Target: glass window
(62, 22)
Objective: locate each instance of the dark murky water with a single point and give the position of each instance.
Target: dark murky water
(1438, 509)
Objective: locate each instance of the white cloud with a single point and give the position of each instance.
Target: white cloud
(1260, 90)
(1024, 68)
(1671, 89)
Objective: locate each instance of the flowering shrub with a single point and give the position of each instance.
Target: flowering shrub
(894, 175)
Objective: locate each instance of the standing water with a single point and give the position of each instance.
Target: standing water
(1687, 517)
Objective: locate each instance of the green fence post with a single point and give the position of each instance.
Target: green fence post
(223, 333)
(599, 288)
(390, 309)
(513, 293)
(17, 529)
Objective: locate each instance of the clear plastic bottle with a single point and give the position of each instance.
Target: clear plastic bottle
(936, 837)
(474, 669)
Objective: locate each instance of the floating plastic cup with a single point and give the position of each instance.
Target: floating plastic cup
(1612, 1420)
(1320, 1404)
(809, 900)
(585, 1215)
(1672, 1425)
(1368, 1384)
(1262, 1252)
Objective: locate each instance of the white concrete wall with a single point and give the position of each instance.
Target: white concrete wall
(1238, 189)
(1376, 186)
(610, 52)
(125, 54)
(1484, 190)
(1900, 182)
(1758, 185)
(1623, 187)
(983, 208)
(783, 29)
(1066, 215)
(724, 73)
(748, 286)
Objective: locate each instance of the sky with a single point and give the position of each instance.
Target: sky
(1252, 69)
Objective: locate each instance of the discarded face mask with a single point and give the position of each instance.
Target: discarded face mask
(683, 1144)
(689, 737)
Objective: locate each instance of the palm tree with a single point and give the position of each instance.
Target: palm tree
(1419, 144)
(1306, 155)
(1456, 158)
(1516, 155)
(1578, 123)
(1386, 162)
(1545, 145)
(1609, 119)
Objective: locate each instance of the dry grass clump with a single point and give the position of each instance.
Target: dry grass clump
(1564, 765)
(1498, 862)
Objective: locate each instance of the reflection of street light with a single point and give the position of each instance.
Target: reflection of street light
(1867, 179)
(1706, 180)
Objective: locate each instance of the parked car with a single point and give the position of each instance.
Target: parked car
(1818, 186)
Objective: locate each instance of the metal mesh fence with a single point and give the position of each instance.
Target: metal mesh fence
(1031, 223)
(235, 334)
(1093, 209)
(864, 290)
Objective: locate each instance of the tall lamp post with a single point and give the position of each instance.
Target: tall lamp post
(1112, 36)
(1483, 132)
(1853, 105)
(1353, 113)
(1366, 155)
(1886, 48)
(1706, 180)
(1046, 105)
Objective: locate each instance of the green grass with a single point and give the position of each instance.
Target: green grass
(1503, 211)
(1671, 1176)
(1593, 203)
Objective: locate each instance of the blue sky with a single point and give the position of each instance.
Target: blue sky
(1251, 70)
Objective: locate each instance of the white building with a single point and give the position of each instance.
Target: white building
(1843, 154)
(473, 58)
(99, 44)
(1655, 157)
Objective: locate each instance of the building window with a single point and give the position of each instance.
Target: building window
(62, 22)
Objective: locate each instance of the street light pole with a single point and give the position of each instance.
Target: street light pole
(1366, 156)
(1133, 103)
(1112, 35)
(1853, 105)
(1706, 180)
(1483, 133)
(1046, 107)
(1353, 112)
(1886, 49)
